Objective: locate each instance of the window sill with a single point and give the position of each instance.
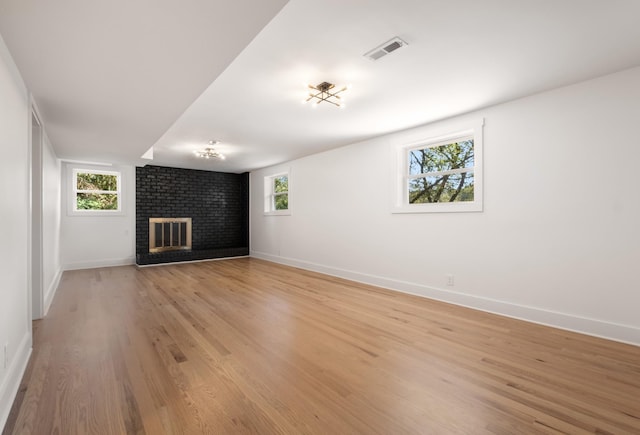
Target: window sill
(438, 208)
(278, 213)
(96, 213)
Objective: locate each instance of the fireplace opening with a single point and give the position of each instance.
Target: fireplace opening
(169, 234)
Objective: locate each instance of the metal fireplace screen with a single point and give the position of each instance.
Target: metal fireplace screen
(169, 234)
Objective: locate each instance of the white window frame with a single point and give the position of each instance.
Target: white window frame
(73, 191)
(433, 138)
(270, 194)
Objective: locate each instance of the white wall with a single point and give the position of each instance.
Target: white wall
(99, 241)
(15, 308)
(51, 203)
(558, 241)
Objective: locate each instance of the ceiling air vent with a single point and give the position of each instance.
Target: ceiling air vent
(386, 48)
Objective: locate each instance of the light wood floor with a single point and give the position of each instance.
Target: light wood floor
(246, 346)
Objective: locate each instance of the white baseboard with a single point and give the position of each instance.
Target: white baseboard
(108, 262)
(11, 382)
(598, 328)
(51, 291)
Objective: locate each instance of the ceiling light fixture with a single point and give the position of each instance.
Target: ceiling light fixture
(323, 92)
(210, 152)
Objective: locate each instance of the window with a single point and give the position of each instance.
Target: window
(441, 174)
(96, 191)
(277, 194)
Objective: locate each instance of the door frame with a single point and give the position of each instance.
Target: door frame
(36, 134)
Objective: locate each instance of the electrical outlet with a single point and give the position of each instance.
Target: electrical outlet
(450, 280)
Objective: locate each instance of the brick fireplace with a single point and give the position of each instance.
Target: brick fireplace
(217, 204)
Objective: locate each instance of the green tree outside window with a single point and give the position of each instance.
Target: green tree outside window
(442, 173)
(96, 191)
(281, 193)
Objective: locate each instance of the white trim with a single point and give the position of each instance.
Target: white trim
(51, 291)
(35, 222)
(13, 377)
(73, 203)
(68, 191)
(269, 194)
(426, 138)
(109, 262)
(598, 328)
(84, 162)
(439, 173)
(278, 213)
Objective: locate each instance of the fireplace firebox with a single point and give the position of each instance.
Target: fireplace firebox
(169, 234)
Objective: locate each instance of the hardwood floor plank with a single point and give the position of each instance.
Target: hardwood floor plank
(250, 347)
(28, 403)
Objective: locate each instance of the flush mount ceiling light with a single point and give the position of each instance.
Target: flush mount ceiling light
(324, 92)
(210, 152)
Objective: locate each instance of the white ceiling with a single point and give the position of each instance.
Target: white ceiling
(111, 79)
